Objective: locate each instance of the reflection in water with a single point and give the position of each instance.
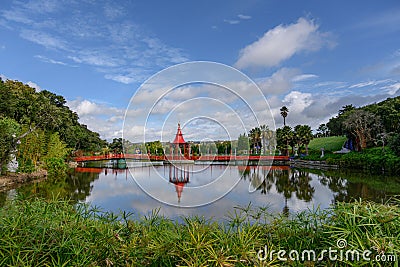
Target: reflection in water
(281, 188)
(179, 175)
(286, 181)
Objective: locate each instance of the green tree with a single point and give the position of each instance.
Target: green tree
(394, 144)
(156, 148)
(303, 135)
(47, 111)
(223, 147)
(284, 137)
(323, 130)
(364, 126)
(335, 124)
(243, 143)
(116, 145)
(31, 149)
(55, 147)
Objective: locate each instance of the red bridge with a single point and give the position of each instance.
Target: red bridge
(168, 157)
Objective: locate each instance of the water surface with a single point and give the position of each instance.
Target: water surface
(280, 188)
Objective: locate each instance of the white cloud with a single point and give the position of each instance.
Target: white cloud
(43, 6)
(241, 16)
(35, 86)
(85, 107)
(110, 46)
(97, 58)
(392, 88)
(113, 11)
(3, 77)
(368, 83)
(232, 21)
(303, 77)
(331, 84)
(280, 82)
(281, 43)
(105, 120)
(120, 78)
(44, 39)
(298, 101)
(52, 61)
(362, 84)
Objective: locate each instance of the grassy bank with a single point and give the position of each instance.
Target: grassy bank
(54, 233)
(376, 160)
(330, 143)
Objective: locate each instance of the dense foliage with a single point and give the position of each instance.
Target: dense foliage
(54, 233)
(42, 124)
(298, 138)
(369, 125)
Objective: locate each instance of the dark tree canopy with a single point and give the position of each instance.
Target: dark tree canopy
(46, 111)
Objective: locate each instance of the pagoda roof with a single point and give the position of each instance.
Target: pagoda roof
(179, 136)
(179, 188)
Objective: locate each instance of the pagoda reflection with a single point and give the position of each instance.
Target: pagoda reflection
(179, 175)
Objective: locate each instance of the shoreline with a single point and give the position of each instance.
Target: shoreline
(15, 180)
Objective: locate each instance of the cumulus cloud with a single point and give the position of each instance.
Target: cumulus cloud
(281, 43)
(280, 82)
(99, 117)
(85, 107)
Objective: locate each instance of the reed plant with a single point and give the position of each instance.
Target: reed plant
(38, 232)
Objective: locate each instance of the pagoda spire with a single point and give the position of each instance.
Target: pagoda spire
(179, 136)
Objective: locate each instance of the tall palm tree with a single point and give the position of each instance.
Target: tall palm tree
(284, 112)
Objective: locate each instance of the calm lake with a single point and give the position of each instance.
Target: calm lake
(280, 188)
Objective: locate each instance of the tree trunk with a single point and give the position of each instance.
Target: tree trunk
(287, 148)
(1, 167)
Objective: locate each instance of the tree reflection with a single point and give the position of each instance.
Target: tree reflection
(75, 186)
(286, 181)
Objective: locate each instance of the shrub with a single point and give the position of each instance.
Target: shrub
(394, 144)
(56, 167)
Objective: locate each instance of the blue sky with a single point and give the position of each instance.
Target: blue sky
(312, 56)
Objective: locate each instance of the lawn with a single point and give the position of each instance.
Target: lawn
(331, 143)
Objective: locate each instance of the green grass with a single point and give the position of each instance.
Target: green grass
(54, 233)
(331, 143)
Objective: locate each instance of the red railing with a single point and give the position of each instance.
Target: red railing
(168, 157)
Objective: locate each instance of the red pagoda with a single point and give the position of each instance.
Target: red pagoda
(180, 146)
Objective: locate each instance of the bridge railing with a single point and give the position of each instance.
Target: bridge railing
(169, 157)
